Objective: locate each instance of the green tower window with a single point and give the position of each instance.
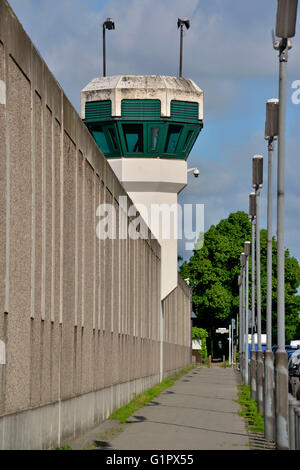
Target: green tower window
(173, 138)
(141, 130)
(133, 137)
(100, 139)
(113, 138)
(188, 140)
(154, 138)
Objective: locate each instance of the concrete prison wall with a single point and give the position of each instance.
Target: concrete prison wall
(177, 329)
(80, 318)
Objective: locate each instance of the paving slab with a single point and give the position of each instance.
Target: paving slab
(199, 412)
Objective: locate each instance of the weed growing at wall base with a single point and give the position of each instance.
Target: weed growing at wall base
(255, 420)
(122, 414)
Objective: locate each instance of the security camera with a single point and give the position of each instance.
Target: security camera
(195, 171)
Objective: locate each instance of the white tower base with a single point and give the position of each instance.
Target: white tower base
(153, 186)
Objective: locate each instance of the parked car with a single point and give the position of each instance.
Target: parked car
(294, 363)
(294, 373)
(289, 349)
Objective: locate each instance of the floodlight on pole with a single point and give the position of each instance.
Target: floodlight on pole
(285, 29)
(242, 315)
(247, 246)
(272, 118)
(246, 325)
(271, 134)
(257, 172)
(257, 182)
(181, 22)
(252, 215)
(286, 18)
(110, 25)
(252, 206)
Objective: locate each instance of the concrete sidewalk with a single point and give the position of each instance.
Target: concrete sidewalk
(198, 412)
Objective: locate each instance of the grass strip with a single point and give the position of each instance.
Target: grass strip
(254, 420)
(139, 401)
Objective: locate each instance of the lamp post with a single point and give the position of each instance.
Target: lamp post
(108, 24)
(247, 250)
(193, 316)
(233, 344)
(180, 24)
(238, 336)
(271, 133)
(242, 317)
(229, 344)
(257, 182)
(285, 29)
(252, 215)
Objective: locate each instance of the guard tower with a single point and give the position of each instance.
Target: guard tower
(146, 127)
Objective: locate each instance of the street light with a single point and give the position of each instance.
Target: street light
(247, 250)
(238, 331)
(257, 182)
(180, 24)
(252, 216)
(191, 287)
(252, 206)
(257, 172)
(242, 316)
(108, 24)
(271, 134)
(286, 18)
(285, 28)
(271, 125)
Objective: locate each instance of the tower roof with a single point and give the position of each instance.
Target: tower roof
(133, 87)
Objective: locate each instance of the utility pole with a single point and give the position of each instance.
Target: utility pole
(180, 24)
(271, 133)
(285, 29)
(257, 184)
(108, 24)
(242, 317)
(247, 246)
(252, 215)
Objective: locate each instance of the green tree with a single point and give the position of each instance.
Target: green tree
(215, 269)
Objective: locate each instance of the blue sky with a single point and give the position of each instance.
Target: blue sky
(227, 52)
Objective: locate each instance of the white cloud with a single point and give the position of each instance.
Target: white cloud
(227, 51)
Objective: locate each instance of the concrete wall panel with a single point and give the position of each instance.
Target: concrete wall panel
(80, 317)
(68, 267)
(20, 197)
(3, 182)
(37, 237)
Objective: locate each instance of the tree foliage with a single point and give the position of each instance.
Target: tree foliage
(200, 333)
(215, 269)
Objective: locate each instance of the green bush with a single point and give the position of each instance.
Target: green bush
(200, 333)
